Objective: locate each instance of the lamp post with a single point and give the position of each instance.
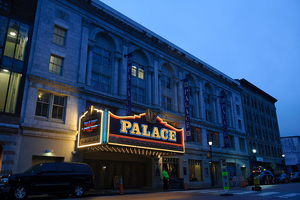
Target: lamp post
(211, 166)
(254, 158)
(283, 162)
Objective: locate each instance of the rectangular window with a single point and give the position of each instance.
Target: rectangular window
(208, 115)
(191, 109)
(141, 73)
(137, 71)
(59, 35)
(238, 109)
(195, 170)
(55, 64)
(195, 133)
(240, 124)
(10, 83)
(137, 94)
(166, 103)
(231, 141)
(242, 144)
(213, 137)
(50, 106)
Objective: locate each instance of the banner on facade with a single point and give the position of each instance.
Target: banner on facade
(129, 75)
(224, 122)
(187, 109)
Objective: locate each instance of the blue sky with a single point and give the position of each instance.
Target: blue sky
(252, 39)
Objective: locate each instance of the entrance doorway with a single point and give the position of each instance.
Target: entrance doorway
(133, 173)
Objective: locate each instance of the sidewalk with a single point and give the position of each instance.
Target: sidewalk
(108, 192)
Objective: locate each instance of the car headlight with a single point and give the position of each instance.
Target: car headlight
(4, 181)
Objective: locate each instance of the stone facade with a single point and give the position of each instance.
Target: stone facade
(79, 57)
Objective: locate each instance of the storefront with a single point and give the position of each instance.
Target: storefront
(134, 147)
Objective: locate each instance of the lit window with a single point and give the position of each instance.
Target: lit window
(59, 35)
(133, 70)
(50, 106)
(55, 64)
(138, 71)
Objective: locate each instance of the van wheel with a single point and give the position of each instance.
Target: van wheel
(78, 190)
(19, 192)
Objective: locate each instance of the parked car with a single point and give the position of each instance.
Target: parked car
(60, 178)
(263, 176)
(296, 177)
(283, 178)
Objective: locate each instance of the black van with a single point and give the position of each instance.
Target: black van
(61, 178)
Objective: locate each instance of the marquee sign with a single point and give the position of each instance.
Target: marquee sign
(98, 127)
(135, 131)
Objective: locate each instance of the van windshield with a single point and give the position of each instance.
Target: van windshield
(33, 168)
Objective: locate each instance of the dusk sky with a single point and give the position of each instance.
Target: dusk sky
(258, 40)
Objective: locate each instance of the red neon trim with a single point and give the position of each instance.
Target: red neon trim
(121, 136)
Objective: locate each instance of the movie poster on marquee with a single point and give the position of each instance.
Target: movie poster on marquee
(90, 128)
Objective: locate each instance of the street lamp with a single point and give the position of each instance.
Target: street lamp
(283, 161)
(211, 166)
(254, 158)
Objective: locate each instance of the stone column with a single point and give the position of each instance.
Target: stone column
(197, 102)
(156, 88)
(175, 94)
(90, 64)
(150, 91)
(202, 103)
(116, 82)
(215, 109)
(83, 51)
(181, 95)
(159, 90)
(123, 72)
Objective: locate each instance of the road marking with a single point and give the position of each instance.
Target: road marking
(241, 193)
(267, 193)
(288, 195)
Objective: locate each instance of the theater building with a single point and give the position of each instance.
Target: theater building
(76, 102)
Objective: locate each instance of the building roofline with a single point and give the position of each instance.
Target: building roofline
(256, 89)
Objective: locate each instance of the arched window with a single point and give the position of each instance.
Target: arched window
(138, 82)
(166, 87)
(208, 94)
(102, 63)
(192, 96)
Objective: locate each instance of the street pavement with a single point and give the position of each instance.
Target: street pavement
(278, 191)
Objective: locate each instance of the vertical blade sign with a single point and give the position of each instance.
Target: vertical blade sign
(187, 109)
(224, 122)
(129, 74)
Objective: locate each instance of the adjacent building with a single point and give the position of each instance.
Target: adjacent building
(291, 152)
(76, 100)
(16, 22)
(263, 137)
